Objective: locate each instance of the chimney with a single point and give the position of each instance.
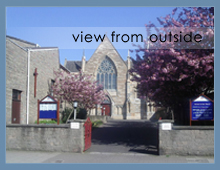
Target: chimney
(65, 62)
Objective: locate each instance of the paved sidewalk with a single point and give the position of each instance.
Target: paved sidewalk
(98, 157)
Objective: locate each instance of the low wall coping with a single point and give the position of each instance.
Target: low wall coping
(166, 121)
(179, 127)
(193, 127)
(39, 125)
(77, 120)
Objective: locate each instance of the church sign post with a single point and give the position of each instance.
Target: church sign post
(201, 109)
(48, 108)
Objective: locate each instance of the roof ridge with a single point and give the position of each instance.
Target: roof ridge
(73, 60)
(21, 40)
(106, 38)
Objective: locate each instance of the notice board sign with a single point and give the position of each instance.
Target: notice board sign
(48, 108)
(201, 109)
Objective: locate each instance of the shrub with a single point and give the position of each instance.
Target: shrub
(65, 114)
(81, 114)
(97, 123)
(46, 122)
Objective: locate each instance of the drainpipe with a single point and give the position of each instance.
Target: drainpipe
(28, 78)
(28, 85)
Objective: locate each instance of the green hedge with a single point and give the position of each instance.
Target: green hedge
(97, 123)
(46, 122)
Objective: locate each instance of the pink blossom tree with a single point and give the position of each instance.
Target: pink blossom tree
(171, 76)
(79, 87)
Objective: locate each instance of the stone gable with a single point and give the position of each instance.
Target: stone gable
(106, 49)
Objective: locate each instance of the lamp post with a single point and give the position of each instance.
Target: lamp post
(75, 103)
(101, 109)
(104, 111)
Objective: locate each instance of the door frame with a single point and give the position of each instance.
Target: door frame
(16, 98)
(108, 105)
(107, 101)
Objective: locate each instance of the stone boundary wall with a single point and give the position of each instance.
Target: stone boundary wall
(189, 140)
(59, 138)
(98, 117)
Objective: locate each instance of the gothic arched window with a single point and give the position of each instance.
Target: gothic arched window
(106, 74)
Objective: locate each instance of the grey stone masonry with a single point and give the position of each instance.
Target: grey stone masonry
(44, 59)
(16, 78)
(107, 49)
(59, 138)
(187, 140)
(99, 117)
(46, 62)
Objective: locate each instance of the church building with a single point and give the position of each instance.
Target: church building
(110, 70)
(30, 75)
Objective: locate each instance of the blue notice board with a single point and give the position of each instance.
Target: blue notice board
(48, 108)
(50, 114)
(202, 109)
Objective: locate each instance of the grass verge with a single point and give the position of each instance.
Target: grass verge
(96, 123)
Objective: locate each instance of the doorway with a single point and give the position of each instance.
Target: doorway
(106, 107)
(16, 106)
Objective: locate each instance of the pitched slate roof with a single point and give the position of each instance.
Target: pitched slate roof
(64, 68)
(20, 40)
(74, 66)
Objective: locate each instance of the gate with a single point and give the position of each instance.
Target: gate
(88, 133)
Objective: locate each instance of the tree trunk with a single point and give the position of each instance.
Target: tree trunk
(69, 115)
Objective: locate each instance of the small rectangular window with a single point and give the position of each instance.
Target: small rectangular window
(16, 94)
(52, 82)
(51, 87)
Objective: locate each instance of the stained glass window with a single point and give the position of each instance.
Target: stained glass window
(109, 81)
(106, 80)
(98, 79)
(102, 79)
(114, 80)
(107, 72)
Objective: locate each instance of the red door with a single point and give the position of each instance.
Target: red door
(16, 106)
(106, 109)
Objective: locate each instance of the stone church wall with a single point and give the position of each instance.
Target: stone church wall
(119, 96)
(16, 78)
(46, 60)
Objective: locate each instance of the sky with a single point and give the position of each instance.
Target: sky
(54, 26)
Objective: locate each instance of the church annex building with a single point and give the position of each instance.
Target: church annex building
(29, 76)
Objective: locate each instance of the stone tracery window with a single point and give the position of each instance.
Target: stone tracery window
(106, 74)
